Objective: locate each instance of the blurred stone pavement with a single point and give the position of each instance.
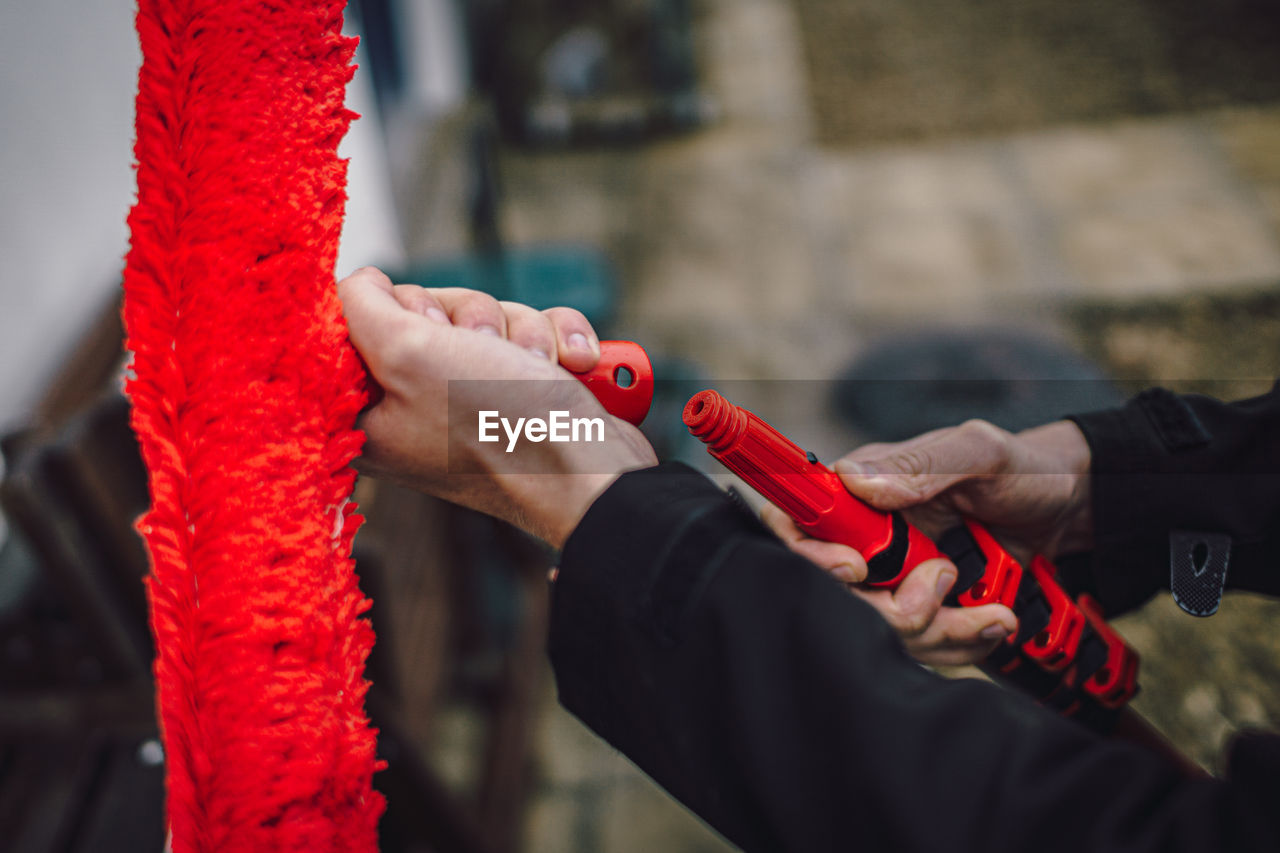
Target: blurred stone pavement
(756, 252)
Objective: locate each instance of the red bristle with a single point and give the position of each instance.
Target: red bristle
(245, 393)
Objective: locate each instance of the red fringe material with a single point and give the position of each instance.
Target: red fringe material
(245, 392)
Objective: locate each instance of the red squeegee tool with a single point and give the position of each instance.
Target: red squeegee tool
(1063, 652)
(807, 490)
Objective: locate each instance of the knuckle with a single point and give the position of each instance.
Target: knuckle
(481, 303)
(913, 622)
(562, 316)
(985, 435)
(917, 467)
(915, 462)
(413, 297)
(372, 274)
(564, 312)
(480, 309)
(524, 321)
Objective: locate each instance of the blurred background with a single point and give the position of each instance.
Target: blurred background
(1011, 209)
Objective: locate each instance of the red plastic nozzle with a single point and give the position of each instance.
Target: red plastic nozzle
(805, 489)
(622, 380)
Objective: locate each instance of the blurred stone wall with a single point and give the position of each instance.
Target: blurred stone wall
(769, 246)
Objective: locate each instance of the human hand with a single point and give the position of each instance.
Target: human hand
(1030, 489)
(417, 341)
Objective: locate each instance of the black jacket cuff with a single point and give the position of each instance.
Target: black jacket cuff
(1166, 462)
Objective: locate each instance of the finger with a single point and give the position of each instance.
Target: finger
(422, 301)
(530, 329)
(953, 655)
(370, 278)
(783, 525)
(919, 470)
(962, 635)
(578, 347)
(877, 449)
(969, 626)
(913, 605)
(375, 319)
(920, 595)
(841, 561)
(471, 309)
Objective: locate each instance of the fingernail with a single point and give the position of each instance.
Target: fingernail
(437, 315)
(994, 632)
(579, 341)
(540, 353)
(844, 572)
(945, 580)
(488, 330)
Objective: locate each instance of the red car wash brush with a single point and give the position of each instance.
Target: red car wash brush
(245, 393)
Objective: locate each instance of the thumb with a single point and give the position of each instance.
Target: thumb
(372, 313)
(917, 471)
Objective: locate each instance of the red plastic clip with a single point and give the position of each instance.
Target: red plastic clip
(1117, 681)
(1055, 647)
(622, 380)
(1000, 578)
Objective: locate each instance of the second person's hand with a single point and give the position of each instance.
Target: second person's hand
(1030, 489)
(433, 350)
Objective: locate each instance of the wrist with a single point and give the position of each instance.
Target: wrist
(551, 500)
(1064, 453)
(552, 511)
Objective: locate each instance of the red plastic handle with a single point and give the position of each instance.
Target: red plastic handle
(622, 380)
(805, 489)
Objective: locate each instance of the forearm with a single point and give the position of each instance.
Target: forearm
(784, 712)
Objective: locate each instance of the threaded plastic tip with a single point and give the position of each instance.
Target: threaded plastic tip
(714, 419)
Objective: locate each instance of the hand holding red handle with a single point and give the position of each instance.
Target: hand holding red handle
(1052, 634)
(807, 490)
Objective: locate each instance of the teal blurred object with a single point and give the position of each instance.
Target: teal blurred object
(540, 276)
(675, 381)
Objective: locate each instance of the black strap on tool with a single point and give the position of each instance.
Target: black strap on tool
(1064, 680)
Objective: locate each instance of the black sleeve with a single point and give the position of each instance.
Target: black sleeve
(1166, 462)
(784, 711)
